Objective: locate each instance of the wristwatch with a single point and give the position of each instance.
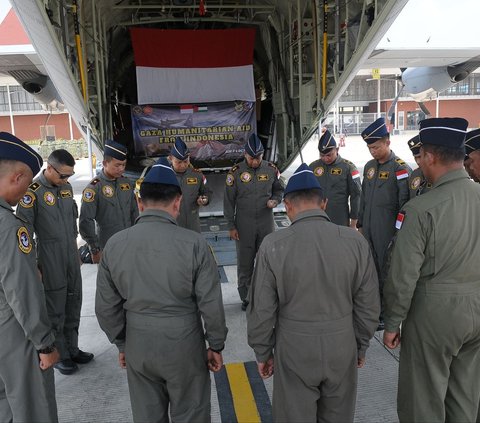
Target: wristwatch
(47, 350)
(217, 351)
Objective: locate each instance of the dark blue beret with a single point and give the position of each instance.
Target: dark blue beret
(376, 131)
(302, 179)
(446, 132)
(162, 173)
(254, 146)
(12, 148)
(180, 149)
(115, 150)
(414, 144)
(472, 141)
(326, 142)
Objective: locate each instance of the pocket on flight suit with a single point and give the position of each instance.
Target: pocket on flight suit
(51, 266)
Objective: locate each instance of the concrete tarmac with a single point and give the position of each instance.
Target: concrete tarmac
(98, 392)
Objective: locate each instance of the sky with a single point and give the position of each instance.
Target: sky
(435, 24)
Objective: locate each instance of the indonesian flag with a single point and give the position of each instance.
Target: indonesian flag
(355, 174)
(401, 174)
(193, 66)
(400, 219)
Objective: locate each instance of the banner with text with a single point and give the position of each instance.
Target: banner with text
(214, 131)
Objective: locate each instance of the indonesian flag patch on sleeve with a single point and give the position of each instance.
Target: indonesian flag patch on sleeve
(401, 174)
(355, 174)
(400, 219)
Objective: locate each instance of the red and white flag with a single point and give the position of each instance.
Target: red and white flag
(355, 174)
(401, 174)
(193, 66)
(400, 219)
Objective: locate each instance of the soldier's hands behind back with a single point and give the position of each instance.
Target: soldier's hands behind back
(48, 360)
(214, 361)
(202, 200)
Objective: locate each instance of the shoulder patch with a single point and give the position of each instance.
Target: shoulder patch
(88, 195)
(348, 162)
(197, 170)
(33, 187)
(94, 181)
(230, 180)
(28, 200)
(24, 243)
(400, 161)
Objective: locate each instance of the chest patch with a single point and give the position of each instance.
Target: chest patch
(27, 200)
(229, 180)
(415, 183)
(262, 177)
(383, 174)
(88, 195)
(49, 198)
(336, 171)
(192, 181)
(107, 191)
(371, 173)
(246, 177)
(24, 243)
(124, 187)
(66, 194)
(319, 171)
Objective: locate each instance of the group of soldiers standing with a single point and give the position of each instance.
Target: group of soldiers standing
(407, 243)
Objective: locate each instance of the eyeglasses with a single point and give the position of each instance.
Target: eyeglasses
(62, 175)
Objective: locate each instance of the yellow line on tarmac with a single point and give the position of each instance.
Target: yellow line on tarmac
(243, 400)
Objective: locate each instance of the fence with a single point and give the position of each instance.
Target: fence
(350, 124)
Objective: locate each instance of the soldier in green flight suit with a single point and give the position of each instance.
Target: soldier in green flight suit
(194, 186)
(27, 349)
(340, 181)
(472, 148)
(252, 191)
(51, 213)
(310, 322)
(416, 182)
(159, 300)
(108, 201)
(433, 287)
(384, 192)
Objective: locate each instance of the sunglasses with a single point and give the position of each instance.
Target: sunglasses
(62, 175)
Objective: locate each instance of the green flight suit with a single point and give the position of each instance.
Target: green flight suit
(247, 192)
(193, 184)
(417, 184)
(155, 284)
(108, 206)
(51, 213)
(316, 314)
(384, 192)
(27, 393)
(433, 290)
(340, 182)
